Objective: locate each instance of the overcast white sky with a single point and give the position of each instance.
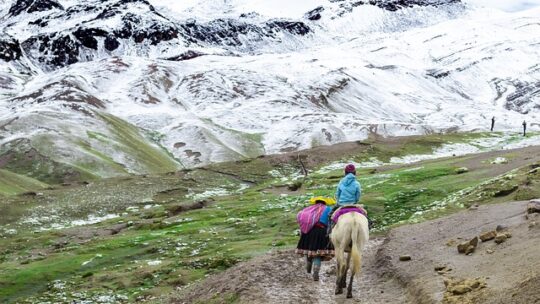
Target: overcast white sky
(506, 5)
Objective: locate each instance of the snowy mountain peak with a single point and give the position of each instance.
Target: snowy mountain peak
(109, 87)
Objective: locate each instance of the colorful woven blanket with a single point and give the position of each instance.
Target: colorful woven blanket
(308, 217)
(344, 210)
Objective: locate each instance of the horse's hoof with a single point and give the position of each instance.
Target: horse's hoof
(349, 296)
(339, 291)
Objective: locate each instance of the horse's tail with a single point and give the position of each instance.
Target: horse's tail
(356, 258)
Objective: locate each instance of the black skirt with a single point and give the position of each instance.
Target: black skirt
(316, 243)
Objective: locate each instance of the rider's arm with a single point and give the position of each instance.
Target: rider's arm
(358, 193)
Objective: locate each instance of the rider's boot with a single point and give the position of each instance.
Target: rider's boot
(309, 264)
(316, 270)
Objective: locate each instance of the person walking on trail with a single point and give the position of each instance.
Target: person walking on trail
(524, 128)
(314, 243)
(492, 123)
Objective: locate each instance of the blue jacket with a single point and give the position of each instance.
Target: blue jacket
(324, 216)
(348, 190)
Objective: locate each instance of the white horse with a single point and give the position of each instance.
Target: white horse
(351, 231)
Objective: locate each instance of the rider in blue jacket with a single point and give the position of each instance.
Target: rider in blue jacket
(348, 190)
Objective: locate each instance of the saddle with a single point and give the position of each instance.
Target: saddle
(346, 209)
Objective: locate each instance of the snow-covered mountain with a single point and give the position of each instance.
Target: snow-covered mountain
(107, 87)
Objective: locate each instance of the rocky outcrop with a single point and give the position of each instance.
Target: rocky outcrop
(61, 49)
(395, 5)
(231, 32)
(65, 47)
(314, 14)
(155, 32)
(141, 26)
(135, 24)
(391, 5)
(533, 206)
(9, 48)
(31, 6)
(186, 56)
(87, 36)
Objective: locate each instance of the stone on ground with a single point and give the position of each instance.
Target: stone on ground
(500, 238)
(533, 206)
(468, 247)
(488, 236)
(404, 258)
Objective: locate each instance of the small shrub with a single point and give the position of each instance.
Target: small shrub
(87, 274)
(295, 186)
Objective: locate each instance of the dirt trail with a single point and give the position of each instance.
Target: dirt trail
(280, 277)
(510, 270)
(507, 268)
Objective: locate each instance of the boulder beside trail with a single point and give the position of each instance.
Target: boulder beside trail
(487, 236)
(468, 247)
(462, 170)
(462, 286)
(500, 238)
(500, 228)
(533, 206)
(404, 258)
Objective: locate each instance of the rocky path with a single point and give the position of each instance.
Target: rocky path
(494, 273)
(280, 277)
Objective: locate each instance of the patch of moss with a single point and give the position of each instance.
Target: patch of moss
(152, 158)
(11, 183)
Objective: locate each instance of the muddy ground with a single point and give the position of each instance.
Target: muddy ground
(495, 273)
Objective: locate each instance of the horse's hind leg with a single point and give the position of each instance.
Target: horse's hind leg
(343, 282)
(339, 288)
(349, 288)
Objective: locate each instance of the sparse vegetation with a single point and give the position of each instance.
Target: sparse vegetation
(136, 237)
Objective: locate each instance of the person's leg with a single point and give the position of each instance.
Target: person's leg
(309, 265)
(316, 267)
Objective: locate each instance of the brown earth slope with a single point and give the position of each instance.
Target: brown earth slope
(495, 273)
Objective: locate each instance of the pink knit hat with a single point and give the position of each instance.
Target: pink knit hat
(350, 169)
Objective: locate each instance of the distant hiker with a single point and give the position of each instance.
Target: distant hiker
(492, 123)
(314, 243)
(524, 127)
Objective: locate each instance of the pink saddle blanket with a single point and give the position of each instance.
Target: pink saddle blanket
(346, 209)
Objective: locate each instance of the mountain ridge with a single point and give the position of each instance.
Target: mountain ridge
(233, 86)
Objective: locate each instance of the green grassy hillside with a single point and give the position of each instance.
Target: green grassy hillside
(11, 183)
(132, 238)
